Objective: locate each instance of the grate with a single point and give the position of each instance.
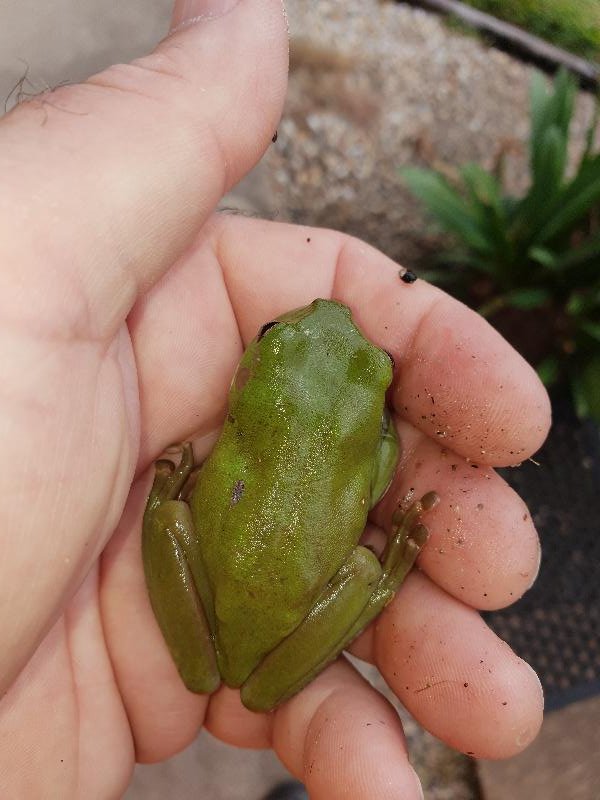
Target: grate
(556, 625)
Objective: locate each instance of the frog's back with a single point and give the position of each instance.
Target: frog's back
(284, 496)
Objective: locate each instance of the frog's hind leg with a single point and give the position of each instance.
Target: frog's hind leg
(318, 639)
(356, 594)
(175, 575)
(408, 537)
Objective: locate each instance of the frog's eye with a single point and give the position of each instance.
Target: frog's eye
(265, 328)
(391, 358)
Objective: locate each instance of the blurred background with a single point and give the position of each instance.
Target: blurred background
(466, 149)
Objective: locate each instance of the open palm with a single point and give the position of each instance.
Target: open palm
(124, 308)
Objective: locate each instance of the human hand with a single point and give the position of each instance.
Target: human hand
(107, 191)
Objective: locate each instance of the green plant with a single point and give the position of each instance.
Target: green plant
(571, 24)
(538, 255)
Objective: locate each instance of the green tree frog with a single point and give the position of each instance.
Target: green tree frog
(252, 561)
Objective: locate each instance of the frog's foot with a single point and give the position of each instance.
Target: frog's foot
(175, 575)
(172, 482)
(408, 537)
(354, 597)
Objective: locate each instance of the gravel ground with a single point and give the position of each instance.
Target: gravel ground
(376, 86)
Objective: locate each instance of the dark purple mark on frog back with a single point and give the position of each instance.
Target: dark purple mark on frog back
(238, 491)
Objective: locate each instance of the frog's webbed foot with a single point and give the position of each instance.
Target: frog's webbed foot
(175, 574)
(172, 482)
(355, 595)
(408, 537)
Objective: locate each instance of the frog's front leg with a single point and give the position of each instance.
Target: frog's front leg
(175, 576)
(354, 597)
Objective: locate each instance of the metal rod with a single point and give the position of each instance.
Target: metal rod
(536, 48)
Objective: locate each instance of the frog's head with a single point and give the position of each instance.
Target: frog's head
(312, 354)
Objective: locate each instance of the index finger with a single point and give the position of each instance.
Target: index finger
(456, 378)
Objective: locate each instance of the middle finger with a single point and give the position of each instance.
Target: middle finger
(483, 548)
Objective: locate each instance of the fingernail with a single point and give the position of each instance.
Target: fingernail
(188, 12)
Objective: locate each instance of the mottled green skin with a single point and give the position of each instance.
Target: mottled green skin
(260, 581)
(282, 500)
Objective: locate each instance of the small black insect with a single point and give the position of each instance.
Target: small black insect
(408, 276)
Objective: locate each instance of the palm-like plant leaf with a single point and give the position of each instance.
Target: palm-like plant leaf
(541, 250)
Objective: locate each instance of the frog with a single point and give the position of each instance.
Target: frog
(252, 559)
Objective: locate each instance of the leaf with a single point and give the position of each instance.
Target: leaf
(572, 205)
(544, 257)
(488, 207)
(590, 136)
(553, 159)
(585, 384)
(591, 328)
(577, 256)
(447, 205)
(583, 302)
(551, 115)
(535, 210)
(527, 299)
(483, 186)
(549, 370)
(538, 110)
(565, 90)
(550, 111)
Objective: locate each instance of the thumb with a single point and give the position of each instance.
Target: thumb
(103, 186)
(105, 183)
